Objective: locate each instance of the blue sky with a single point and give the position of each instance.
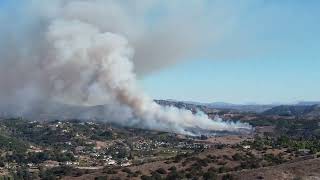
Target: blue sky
(261, 80)
(287, 70)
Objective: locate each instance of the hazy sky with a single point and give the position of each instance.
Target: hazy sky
(252, 50)
(283, 65)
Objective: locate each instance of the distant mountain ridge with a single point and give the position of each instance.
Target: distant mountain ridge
(257, 108)
(310, 111)
(308, 103)
(219, 105)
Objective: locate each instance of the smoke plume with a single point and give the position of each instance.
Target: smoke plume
(79, 52)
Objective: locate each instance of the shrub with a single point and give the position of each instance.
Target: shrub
(127, 170)
(222, 169)
(144, 177)
(209, 176)
(172, 168)
(156, 176)
(227, 177)
(161, 171)
(202, 162)
(111, 171)
(101, 178)
(237, 157)
(174, 175)
(138, 172)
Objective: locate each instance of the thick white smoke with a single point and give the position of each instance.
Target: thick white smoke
(101, 60)
(77, 59)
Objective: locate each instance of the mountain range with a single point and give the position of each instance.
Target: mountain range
(64, 111)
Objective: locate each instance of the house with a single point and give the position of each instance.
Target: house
(304, 151)
(51, 164)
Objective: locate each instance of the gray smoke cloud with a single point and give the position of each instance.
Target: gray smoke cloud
(83, 52)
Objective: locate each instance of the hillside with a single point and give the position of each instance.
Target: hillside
(311, 111)
(75, 149)
(305, 169)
